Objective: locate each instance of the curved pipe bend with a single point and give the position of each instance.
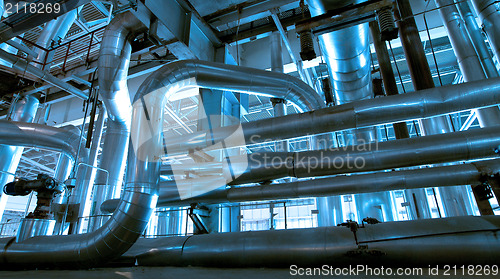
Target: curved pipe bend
(140, 192)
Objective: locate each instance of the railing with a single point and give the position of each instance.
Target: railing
(60, 56)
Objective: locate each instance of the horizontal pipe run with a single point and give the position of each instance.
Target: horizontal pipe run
(420, 104)
(460, 240)
(442, 148)
(42, 136)
(455, 175)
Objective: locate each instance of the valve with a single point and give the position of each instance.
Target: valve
(42, 183)
(46, 188)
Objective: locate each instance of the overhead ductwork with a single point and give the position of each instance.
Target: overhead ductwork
(461, 240)
(347, 55)
(477, 38)
(140, 193)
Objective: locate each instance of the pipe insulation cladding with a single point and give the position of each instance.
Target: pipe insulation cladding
(456, 240)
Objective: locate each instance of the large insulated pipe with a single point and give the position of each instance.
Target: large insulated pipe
(84, 250)
(23, 110)
(468, 61)
(454, 175)
(114, 59)
(459, 240)
(140, 192)
(347, 54)
(435, 149)
(22, 65)
(489, 13)
(365, 113)
(476, 36)
(43, 136)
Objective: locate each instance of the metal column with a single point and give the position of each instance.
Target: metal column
(22, 110)
(422, 79)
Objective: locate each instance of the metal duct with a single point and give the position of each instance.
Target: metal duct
(476, 36)
(114, 59)
(347, 55)
(22, 65)
(489, 13)
(111, 240)
(140, 191)
(461, 174)
(468, 61)
(191, 73)
(365, 113)
(22, 110)
(441, 148)
(51, 138)
(461, 240)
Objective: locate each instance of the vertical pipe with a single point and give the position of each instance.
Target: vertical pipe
(477, 38)
(347, 55)
(422, 79)
(388, 78)
(276, 52)
(114, 59)
(92, 161)
(22, 110)
(489, 13)
(468, 61)
(279, 105)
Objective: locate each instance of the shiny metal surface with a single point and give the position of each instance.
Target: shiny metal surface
(441, 148)
(468, 60)
(365, 113)
(30, 227)
(461, 240)
(347, 54)
(454, 175)
(187, 73)
(36, 135)
(476, 36)
(54, 31)
(23, 110)
(111, 240)
(114, 59)
(489, 13)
